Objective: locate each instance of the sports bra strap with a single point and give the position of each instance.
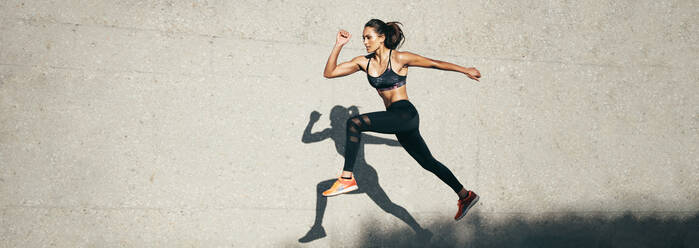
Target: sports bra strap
(389, 62)
(389, 59)
(367, 65)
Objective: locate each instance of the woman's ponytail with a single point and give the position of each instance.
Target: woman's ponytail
(394, 35)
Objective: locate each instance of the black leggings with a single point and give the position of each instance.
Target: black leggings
(400, 118)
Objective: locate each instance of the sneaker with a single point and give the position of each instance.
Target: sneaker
(341, 186)
(466, 204)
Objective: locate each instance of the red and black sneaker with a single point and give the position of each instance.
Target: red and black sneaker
(466, 204)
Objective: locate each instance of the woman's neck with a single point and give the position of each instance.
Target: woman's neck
(380, 54)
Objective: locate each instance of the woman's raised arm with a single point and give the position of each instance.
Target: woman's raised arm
(420, 61)
(331, 68)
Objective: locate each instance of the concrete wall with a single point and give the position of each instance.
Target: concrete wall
(185, 124)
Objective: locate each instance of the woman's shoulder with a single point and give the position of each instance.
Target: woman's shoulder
(359, 59)
(405, 57)
(362, 60)
(402, 54)
(402, 57)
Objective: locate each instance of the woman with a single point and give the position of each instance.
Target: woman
(401, 117)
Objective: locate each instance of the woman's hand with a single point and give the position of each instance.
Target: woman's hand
(473, 73)
(342, 37)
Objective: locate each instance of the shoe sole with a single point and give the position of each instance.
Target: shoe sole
(350, 189)
(468, 207)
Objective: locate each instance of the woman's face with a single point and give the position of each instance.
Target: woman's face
(372, 39)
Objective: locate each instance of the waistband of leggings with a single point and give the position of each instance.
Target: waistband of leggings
(400, 104)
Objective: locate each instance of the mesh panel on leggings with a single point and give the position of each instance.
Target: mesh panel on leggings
(354, 130)
(356, 125)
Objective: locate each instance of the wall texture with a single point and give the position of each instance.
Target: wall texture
(187, 124)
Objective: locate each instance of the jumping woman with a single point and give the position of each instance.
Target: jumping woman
(400, 118)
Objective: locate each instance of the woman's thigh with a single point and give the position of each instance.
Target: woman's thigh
(384, 122)
(415, 145)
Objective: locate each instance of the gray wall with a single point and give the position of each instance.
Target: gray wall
(182, 124)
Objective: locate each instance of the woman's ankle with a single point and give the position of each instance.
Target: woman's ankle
(346, 174)
(463, 193)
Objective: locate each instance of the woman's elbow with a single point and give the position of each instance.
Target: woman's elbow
(436, 64)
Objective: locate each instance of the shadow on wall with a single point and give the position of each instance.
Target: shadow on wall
(568, 230)
(365, 174)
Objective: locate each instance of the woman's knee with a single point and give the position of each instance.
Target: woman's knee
(430, 164)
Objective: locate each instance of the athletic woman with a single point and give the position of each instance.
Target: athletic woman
(400, 118)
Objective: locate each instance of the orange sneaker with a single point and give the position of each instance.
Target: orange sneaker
(341, 186)
(466, 204)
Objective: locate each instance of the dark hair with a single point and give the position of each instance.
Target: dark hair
(391, 30)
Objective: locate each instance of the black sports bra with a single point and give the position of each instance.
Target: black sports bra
(388, 80)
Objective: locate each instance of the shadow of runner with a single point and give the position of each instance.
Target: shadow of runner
(555, 230)
(365, 174)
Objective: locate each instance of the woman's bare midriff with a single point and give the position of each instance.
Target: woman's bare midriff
(394, 95)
